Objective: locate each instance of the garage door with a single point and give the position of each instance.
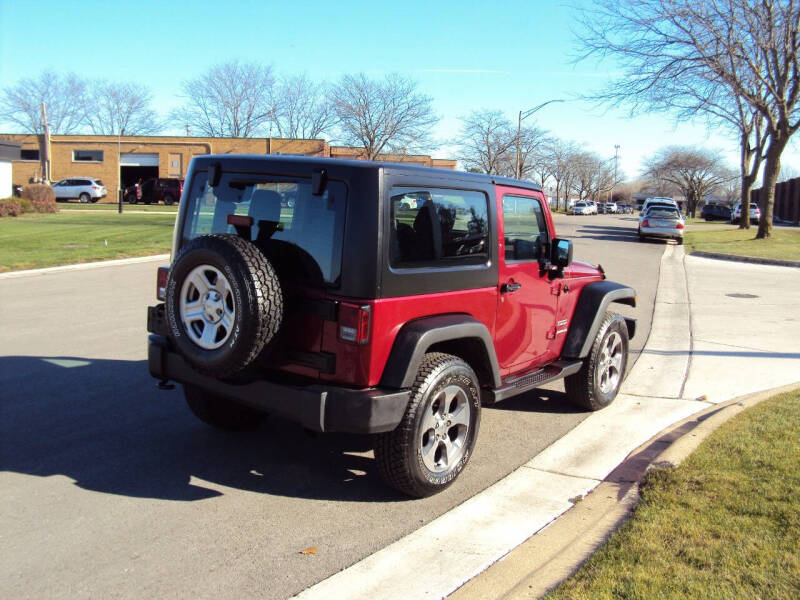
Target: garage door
(133, 159)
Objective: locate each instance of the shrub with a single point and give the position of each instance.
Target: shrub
(42, 197)
(10, 207)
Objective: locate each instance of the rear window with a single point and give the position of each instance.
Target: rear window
(663, 213)
(300, 233)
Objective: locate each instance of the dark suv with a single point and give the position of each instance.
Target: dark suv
(155, 190)
(716, 212)
(383, 299)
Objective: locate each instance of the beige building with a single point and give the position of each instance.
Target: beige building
(128, 158)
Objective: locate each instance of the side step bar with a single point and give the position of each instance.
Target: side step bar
(524, 383)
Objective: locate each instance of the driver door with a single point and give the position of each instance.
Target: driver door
(526, 309)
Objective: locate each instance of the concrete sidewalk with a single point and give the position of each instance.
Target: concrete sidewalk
(720, 330)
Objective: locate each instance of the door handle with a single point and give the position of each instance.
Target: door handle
(508, 288)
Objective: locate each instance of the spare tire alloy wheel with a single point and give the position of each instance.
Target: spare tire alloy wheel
(224, 304)
(208, 311)
(434, 441)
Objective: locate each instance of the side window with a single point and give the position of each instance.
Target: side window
(525, 228)
(438, 227)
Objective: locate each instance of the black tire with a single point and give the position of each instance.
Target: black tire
(680, 241)
(252, 303)
(168, 200)
(584, 387)
(84, 198)
(220, 412)
(399, 453)
(130, 198)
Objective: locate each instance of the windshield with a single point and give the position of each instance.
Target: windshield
(300, 233)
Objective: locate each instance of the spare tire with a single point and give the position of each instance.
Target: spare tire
(224, 304)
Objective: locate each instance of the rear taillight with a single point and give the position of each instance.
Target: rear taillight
(161, 283)
(95, 187)
(354, 322)
(680, 225)
(645, 223)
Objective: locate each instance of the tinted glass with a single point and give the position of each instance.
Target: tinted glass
(663, 213)
(301, 234)
(438, 226)
(87, 155)
(525, 228)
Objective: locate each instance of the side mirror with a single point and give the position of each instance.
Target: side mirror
(560, 253)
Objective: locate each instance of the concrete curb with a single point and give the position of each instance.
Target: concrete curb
(82, 266)
(748, 259)
(554, 554)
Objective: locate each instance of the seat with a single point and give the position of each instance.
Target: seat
(265, 209)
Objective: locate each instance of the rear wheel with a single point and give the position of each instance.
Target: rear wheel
(596, 384)
(168, 200)
(130, 198)
(220, 412)
(434, 441)
(84, 198)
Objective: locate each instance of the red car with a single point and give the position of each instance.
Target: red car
(386, 299)
(155, 190)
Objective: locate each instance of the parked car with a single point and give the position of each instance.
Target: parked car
(85, 189)
(161, 189)
(625, 209)
(716, 212)
(661, 220)
(374, 306)
(592, 206)
(611, 208)
(657, 200)
(602, 208)
(581, 208)
(755, 213)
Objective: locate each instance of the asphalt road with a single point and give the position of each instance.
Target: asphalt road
(110, 487)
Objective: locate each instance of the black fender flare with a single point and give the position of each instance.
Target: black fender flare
(416, 337)
(589, 313)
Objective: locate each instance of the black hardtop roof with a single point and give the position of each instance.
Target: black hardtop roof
(239, 160)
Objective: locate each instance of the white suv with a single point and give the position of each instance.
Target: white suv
(755, 213)
(85, 189)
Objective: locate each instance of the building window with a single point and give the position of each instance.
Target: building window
(87, 156)
(438, 227)
(29, 155)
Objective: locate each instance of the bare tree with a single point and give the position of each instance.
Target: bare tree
(64, 95)
(562, 167)
(591, 176)
(382, 114)
(695, 172)
(486, 142)
(713, 57)
(120, 109)
(302, 109)
(532, 142)
(233, 99)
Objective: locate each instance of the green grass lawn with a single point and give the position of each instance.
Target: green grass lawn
(784, 243)
(725, 524)
(35, 240)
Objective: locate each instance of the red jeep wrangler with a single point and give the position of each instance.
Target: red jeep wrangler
(377, 298)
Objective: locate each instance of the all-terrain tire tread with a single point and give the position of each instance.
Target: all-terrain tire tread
(580, 386)
(391, 448)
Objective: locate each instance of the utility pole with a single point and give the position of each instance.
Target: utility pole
(525, 115)
(46, 146)
(616, 158)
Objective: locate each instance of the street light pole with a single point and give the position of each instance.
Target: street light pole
(525, 115)
(616, 157)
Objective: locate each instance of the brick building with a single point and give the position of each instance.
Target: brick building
(128, 158)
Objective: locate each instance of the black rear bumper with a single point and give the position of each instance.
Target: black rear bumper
(316, 407)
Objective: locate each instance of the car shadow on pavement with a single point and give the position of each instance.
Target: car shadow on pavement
(607, 233)
(538, 400)
(104, 424)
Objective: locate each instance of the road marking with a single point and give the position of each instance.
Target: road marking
(82, 266)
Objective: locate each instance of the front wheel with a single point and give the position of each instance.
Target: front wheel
(168, 200)
(220, 412)
(434, 441)
(596, 384)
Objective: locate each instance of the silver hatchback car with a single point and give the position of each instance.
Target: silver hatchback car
(662, 221)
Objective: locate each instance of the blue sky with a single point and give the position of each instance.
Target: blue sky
(509, 55)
